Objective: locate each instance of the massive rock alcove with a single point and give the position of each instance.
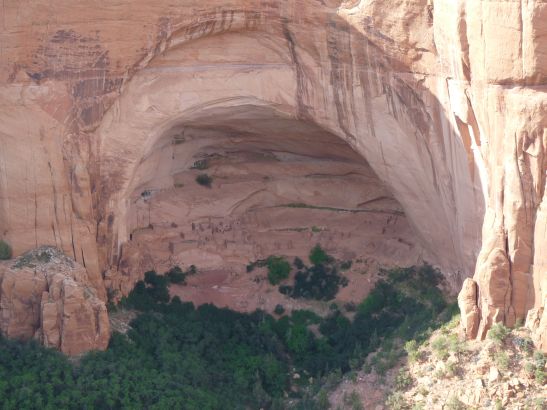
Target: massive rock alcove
(279, 186)
(440, 103)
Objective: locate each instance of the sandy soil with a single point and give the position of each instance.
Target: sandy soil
(246, 292)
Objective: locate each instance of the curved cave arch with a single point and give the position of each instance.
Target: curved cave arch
(387, 122)
(280, 185)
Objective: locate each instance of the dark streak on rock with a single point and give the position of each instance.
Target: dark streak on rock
(301, 108)
(341, 60)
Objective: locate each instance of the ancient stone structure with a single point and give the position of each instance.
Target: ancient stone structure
(431, 111)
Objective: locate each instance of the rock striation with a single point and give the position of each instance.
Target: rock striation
(445, 102)
(47, 296)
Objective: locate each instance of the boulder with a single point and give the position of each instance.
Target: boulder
(48, 296)
(467, 302)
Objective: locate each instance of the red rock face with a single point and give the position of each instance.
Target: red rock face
(444, 101)
(45, 295)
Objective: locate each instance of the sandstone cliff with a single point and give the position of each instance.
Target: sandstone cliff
(445, 101)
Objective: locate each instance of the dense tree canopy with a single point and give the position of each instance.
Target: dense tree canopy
(177, 356)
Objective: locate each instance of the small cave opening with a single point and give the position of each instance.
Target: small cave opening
(241, 184)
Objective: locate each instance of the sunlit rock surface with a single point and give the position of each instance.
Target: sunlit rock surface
(438, 107)
(47, 296)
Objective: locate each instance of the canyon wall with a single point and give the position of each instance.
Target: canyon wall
(444, 101)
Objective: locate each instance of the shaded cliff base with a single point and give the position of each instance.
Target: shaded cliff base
(383, 353)
(177, 356)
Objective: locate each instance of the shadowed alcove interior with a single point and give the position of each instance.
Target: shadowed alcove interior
(239, 184)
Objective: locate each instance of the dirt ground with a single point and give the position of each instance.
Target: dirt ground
(248, 291)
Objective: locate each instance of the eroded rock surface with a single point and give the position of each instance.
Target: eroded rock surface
(47, 296)
(444, 101)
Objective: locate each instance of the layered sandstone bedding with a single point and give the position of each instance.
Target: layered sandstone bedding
(437, 107)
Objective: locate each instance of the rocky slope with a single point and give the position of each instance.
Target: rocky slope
(445, 102)
(446, 372)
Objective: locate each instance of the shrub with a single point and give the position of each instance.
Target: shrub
(539, 362)
(353, 400)
(204, 180)
(5, 250)
(200, 164)
(319, 282)
(498, 333)
(345, 265)
(176, 275)
(350, 307)
(455, 345)
(298, 263)
(256, 264)
(322, 401)
(278, 269)
(440, 347)
(439, 374)
(524, 344)
(539, 359)
(157, 286)
(318, 256)
(411, 348)
(403, 380)
(540, 376)
(502, 360)
(529, 368)
(279, 309)
(384, 360)
(451, 369)
(396, 401)
(454, 403)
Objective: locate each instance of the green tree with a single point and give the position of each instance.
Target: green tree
(5, 250)
(278, 269)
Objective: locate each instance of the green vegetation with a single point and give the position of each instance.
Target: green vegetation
(536, 367)
(502, 360)
(260, 263)
(440, 347)
(525, 344)
(328, 208)
(412, 350)
(454, 403)
(5, 250)
(353, 401)
(498, 333)
(278, 269)
(178, 276)
(204, 180)
(403, 380)
(318, 256)
(279, 309)
(396, 401)
(319, 282)
(298, 263)
(179, 356)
